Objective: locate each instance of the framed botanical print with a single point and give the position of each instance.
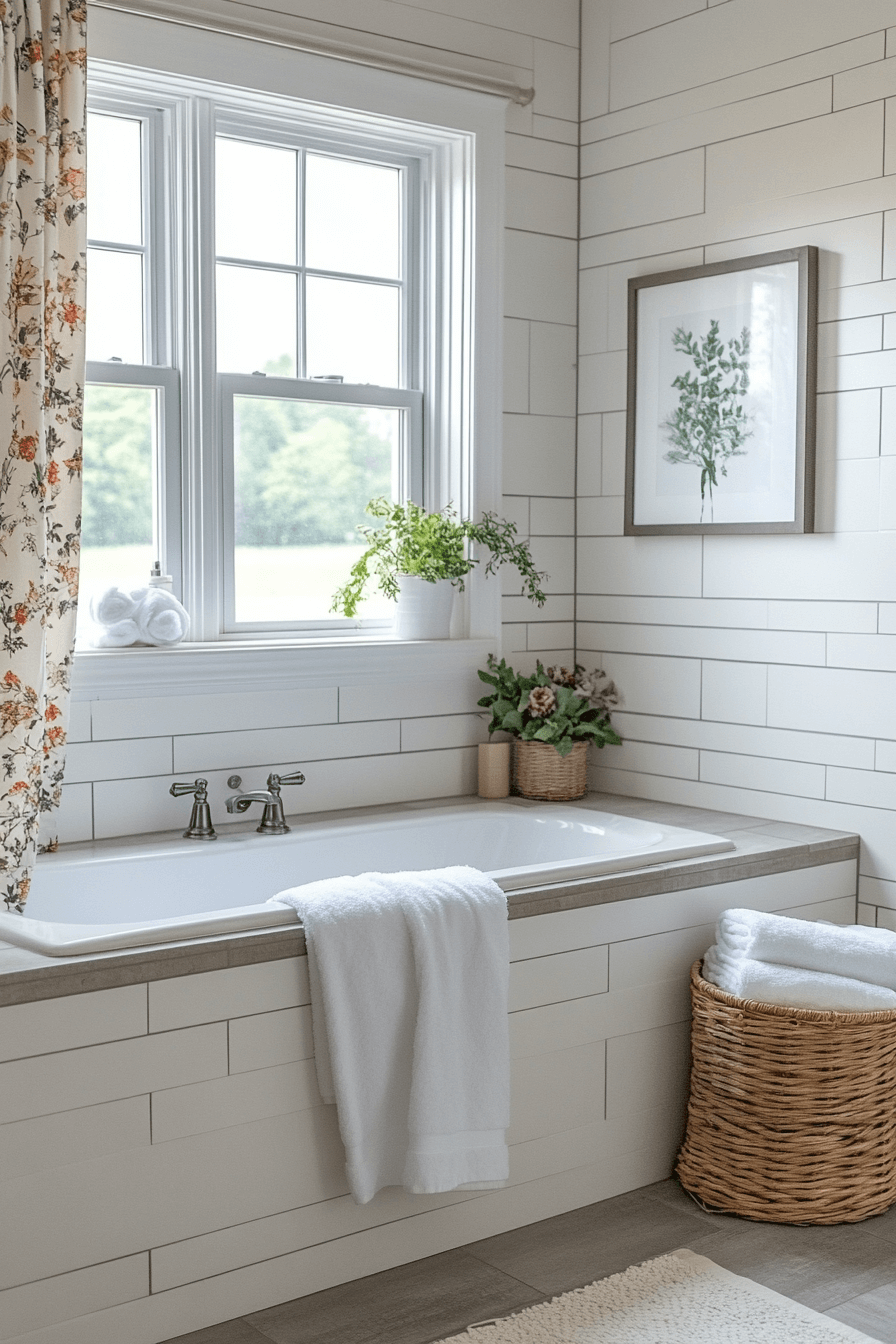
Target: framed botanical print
(721, 397)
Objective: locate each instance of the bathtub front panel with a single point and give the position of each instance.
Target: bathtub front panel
(166, 1161)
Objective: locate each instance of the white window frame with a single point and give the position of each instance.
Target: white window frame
(460, 269)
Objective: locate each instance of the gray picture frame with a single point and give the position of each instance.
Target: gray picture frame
(794, 432)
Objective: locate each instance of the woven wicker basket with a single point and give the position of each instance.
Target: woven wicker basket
(792, 1113)
(539, 771)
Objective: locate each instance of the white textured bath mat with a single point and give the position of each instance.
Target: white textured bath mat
(680, 1298)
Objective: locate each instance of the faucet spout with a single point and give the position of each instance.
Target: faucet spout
(241, 802)
(272, 820)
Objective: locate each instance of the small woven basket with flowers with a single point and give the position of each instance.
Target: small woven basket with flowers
(552, 717)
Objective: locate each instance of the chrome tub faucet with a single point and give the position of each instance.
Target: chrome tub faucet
(272, 821)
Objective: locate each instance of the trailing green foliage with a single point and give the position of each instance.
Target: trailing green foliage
(514, 707)
(709, 424)
(432, 546)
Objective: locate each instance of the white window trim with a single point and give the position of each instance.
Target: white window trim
(463, 408)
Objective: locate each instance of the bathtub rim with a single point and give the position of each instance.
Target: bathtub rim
(58, 939)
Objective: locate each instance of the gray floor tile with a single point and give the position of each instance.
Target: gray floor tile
(672, 1193)
(576, 1248)
(409, 1305)
(229, 1332)
(884, 1225)
(818, 1266)
(873, 1313)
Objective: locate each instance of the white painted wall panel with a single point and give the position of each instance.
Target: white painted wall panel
(749, 772)
(213, 996)
(199, 1108)
(265, 1039)
(732, 39)
(554, 979)
(718, 92)
(72, 1136)
(67, 1023)
(559, 1090)
(709, 127)
(117, 1205)
(34, 1306)
(665, 188)
(803, 157)
(650, 1066)
(640, 565)
(226, 751)
(97, 1073)
(823, 748)
(211, 713)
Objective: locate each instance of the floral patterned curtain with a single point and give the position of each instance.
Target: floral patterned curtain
(43, 232)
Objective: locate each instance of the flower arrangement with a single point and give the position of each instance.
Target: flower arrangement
(432, 546)
(559, 706)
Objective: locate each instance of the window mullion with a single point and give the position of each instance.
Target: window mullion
(301, 355)
(202, 474)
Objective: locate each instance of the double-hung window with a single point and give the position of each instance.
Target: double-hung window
(268, 324)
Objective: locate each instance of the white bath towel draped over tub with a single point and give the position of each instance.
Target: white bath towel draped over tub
(409, 978)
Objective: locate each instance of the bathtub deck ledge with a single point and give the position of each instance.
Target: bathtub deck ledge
(762, 847)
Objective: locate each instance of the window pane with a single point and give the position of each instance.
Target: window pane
(303, 473)
(255, 201)
(352, 331)
(114, 203)
(115, 305)
(256, 321)
(117, 524)
(352, 217)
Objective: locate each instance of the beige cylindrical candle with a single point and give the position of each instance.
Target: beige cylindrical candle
(494, 769)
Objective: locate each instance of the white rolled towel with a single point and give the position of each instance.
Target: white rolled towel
(160, 618)
(793, 987)
(856, 952)
(118, 635)
(112, 606)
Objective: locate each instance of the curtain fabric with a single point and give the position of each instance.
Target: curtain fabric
(43, 232)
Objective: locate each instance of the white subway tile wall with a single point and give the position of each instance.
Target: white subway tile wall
(397, 742)
(712, 131)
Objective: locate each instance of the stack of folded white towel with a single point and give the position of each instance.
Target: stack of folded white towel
(409, 978)
(800, 964)
(143, 616)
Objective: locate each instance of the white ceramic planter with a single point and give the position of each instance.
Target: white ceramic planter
(423, 610)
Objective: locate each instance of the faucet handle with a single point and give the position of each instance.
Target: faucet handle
(199, 787)
(200, 827)
(274, 781)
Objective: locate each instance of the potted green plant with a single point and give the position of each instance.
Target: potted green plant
(552, 716)
(420, 558)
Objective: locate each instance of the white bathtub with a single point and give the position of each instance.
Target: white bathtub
(119, 896)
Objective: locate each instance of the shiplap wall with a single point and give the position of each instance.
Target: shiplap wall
(759, 673)
(412, 741)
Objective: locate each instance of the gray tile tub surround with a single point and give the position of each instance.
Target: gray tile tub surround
(761, 847)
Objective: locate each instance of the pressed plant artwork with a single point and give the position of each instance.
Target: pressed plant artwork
(720, 431)
(710, 424)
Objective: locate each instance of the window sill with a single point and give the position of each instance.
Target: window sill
(264, 665)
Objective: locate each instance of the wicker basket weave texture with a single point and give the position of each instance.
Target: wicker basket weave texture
(792, 1113)
(539, 771)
